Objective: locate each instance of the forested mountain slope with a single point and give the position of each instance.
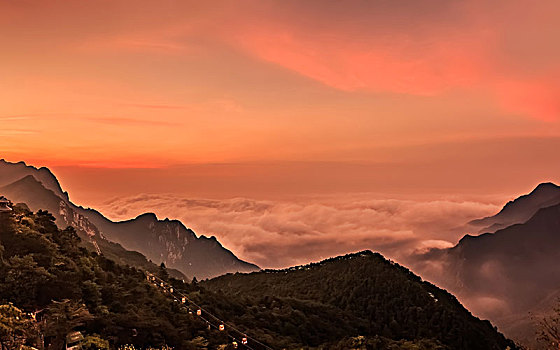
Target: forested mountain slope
(44, 270)
(358, 301)
(362, 294)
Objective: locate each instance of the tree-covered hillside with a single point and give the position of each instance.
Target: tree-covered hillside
(168, 241)
(360, 301)
(42, 268)
(358, 294)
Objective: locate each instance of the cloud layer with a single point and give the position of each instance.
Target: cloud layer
(285, 233)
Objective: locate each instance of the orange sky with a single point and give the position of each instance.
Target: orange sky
(288, 96)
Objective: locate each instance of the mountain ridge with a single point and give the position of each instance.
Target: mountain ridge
(182, 246)
(521, 208)
(43, 174)
(29, 189)
(43, 268)
(381, 296)
(505, 274)
(168, 241)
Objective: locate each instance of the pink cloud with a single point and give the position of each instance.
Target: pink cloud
(394, 64)
(467, 45)
(133, 122)
(538, 97)
(503, 49)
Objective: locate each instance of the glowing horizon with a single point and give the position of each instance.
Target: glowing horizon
(191, 82)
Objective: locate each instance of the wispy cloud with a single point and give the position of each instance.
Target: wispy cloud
(132, 121)
(402, 49)
(17, 132)
(157, 106)
(15, 118)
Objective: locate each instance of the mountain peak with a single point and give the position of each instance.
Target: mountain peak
(147, 216)
(545, 186)
(152, 217)
(28, 180)
(522, 208)
(10, 172)
(353, 285)
(21, 162)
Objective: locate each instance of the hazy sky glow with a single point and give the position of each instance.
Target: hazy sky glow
(190, 81)
(258, 99)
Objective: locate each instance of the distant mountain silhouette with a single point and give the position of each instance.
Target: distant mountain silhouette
(521, 209)
(167, 241)
(527, 252)
(506, 274)
(32, 192)
(11, 172)
(170, 241)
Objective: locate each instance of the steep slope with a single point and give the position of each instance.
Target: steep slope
(167, 241)
(30, 191)
(521, 209)
(171, 242)
(503, 275)
(11, 172)
(525, 252)
(43, 268)
(367, 295)
(342, 303)
(36, 197)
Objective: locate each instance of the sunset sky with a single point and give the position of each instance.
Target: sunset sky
(268, 99)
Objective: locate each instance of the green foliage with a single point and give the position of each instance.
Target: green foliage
(95, 342)
(15, 327)
(381, 343)
(63, 317)
(45, 268)
(132, 347)
(360, 301)
(358, 294)
(199, 343)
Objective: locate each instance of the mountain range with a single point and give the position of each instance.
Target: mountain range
(504, 272)
(167, 241)
(511, 271)
(356, 301)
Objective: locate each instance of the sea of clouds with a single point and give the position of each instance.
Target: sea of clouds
(281, 233)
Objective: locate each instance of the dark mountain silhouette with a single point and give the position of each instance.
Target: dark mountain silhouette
(167, 241)
(522, 252)
(506, 274)
(356, 301)
(11, 172)
(368, 295)
(32, 192)
(170, 241)
(521, 209)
